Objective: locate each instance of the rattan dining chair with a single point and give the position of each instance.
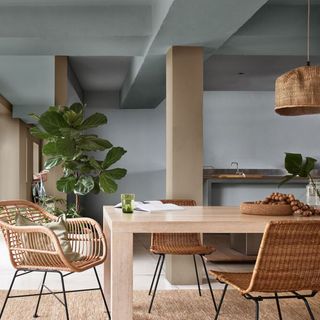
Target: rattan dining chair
(178, 244)
(42, 251)
(288, 262)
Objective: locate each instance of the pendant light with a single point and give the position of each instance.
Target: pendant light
(297, 92)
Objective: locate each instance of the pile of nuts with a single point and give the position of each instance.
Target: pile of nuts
(298, 207)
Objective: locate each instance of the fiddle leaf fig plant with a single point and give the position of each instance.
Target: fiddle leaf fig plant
(67, 144)
(299, 166)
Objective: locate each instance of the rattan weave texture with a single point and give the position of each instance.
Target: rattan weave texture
(288, 260)
(42, 251)
(297, 92)
(179, 243)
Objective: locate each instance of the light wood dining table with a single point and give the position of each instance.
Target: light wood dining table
(119, 229)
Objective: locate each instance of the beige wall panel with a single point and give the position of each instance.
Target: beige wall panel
(61, 98)
(9, 157)
(26, 161)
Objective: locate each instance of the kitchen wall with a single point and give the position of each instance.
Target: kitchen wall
(242, 126)
(238, 126)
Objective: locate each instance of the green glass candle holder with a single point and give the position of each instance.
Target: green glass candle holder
(127, 202)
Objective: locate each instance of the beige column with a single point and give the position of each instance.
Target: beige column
(16, 161)
(60, 98)
(184, 141)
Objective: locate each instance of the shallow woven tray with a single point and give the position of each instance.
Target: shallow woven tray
(265, 209)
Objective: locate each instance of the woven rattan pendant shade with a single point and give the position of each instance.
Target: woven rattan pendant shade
(297, 92)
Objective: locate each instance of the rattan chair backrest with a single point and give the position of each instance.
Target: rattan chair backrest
(177, 239)
(289, 257)
(9, 209)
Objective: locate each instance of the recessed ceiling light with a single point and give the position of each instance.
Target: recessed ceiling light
(240, 73)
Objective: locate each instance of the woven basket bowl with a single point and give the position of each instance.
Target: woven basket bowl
(297, 92)
(260, 209)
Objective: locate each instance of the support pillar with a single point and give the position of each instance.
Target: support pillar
(60, 98)
(184, 140)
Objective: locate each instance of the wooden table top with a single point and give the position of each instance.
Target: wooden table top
(203, 219)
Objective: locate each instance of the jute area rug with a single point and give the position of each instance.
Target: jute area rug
(168, 305)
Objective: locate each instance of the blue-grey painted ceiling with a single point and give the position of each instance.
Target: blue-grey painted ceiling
(119, 46)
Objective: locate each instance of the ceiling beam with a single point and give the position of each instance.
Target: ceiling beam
(204, 23)
(74, 30)
(276, 30)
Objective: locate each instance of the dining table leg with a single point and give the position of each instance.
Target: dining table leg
(118, 274)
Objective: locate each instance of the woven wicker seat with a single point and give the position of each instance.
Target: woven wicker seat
(240, 281)
(42, 250)
(178, 244)
(180, 250)
(288, 262)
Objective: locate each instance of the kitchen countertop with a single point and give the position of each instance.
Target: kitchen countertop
(251, 176)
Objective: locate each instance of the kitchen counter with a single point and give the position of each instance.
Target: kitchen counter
(224, 187)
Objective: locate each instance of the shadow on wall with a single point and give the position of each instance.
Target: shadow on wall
(145, 185)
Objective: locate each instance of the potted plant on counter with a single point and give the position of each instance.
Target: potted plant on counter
(67, 144)
(299, 166)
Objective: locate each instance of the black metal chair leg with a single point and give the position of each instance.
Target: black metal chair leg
(308, 308)
(103, 297)
(257, 309)
(278, 305)
(209, 284)
(64, 295)
(221, 301)
(40, 294)
(154, 275)
(197, 274)
(156, 286)
(8, 293)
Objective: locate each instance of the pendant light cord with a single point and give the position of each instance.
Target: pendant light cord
(308, 33)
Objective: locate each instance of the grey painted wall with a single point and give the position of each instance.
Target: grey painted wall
(242, 126)
(142, 134)
(238, 126)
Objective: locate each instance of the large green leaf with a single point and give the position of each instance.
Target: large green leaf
(117, 173)
(52, 162)
(52, 122)
(50, 149)
(72, 165)
(38, 133)
(65, 147)
(298, 166)
(293, 162)
(72, 118)
(107, 184)
(70, 132)
(91, 143)
(96, 188)
(77, 107)
(95, 120)
(84, 185)
(307, 167)
(113, 156)
(95, 164)
(86, 168)
(66, 184)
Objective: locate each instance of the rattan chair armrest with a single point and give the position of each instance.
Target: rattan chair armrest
(84, 225)
(38, 237)
(87, 230)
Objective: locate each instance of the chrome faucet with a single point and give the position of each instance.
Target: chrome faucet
(238, 172)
